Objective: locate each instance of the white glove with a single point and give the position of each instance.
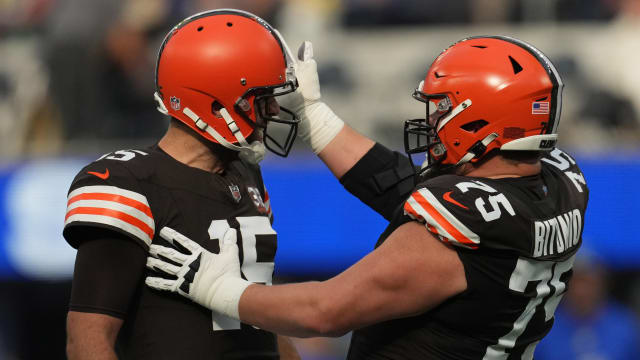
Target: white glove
(318, 124)
(211, 280)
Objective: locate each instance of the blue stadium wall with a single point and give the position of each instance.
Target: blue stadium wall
(321, 230)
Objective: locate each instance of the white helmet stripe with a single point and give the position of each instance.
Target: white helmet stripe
(469, 155)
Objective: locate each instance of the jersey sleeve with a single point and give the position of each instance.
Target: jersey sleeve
(106, 195)
(445, 212)
(109, 292)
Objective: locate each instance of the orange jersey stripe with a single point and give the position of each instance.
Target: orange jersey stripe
(115, 198)
(114, 214)
(441, 220)
(409, 210)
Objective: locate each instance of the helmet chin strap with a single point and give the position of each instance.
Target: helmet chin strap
(161, 107)
(482, 145)
(252, 153)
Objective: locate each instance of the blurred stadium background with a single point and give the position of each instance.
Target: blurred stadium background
(76, 81)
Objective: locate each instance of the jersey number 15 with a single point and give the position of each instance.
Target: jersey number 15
(252, 229)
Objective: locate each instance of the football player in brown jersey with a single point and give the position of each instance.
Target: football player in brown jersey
(479, 249)
(218, 75)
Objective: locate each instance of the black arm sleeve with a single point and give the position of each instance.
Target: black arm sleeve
(382, 179)
(109, 269)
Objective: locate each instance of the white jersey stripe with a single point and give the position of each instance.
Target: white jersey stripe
(441, 232)
(109, 190)
(418, 209)
(457, 224)
(103, 204)
(133, 213)
(111, 221)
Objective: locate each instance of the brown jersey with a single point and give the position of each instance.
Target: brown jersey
(516, 238)
(138, 192)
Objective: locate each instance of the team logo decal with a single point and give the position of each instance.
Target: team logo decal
(103, 176)
(175, 103)
(257, 199)
(235, 192)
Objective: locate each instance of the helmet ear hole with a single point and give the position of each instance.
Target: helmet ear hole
(216, 106)
(474, 126)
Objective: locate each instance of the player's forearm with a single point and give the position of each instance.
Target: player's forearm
(91, 336)
(83, 345)
(83, 349)
(345, 150)
(299, 310)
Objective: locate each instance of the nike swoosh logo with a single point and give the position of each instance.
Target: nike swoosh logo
(103, 176)
(447, 197)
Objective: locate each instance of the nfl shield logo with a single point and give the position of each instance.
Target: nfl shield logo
(235, 192)
(175, 103)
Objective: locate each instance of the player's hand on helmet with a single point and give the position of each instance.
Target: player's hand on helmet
(307, 74)
(318, 124)
(211, 280)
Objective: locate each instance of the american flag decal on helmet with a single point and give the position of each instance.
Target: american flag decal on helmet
(540, 107)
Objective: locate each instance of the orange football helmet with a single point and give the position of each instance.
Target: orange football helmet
(485, 93)
(216, 72)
